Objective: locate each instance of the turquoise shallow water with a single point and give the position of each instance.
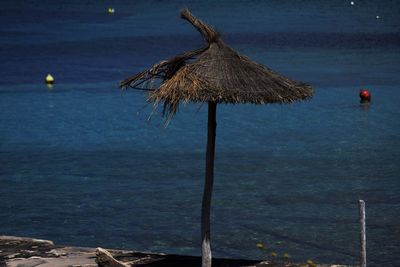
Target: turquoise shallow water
(81, 165)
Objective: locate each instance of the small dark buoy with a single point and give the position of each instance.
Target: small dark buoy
(365, 96)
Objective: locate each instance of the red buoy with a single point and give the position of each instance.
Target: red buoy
(365, 96)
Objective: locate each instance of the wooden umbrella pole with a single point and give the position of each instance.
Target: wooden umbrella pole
(208, 186)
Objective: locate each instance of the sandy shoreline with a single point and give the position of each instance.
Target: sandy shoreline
(30, 252)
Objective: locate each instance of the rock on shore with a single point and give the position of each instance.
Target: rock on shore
(29, 252)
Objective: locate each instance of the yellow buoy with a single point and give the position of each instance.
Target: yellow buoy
(49, 79)
(111, 10)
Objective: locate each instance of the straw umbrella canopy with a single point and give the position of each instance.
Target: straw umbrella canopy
(213, 74)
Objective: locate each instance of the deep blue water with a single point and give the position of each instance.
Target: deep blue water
(80, 163)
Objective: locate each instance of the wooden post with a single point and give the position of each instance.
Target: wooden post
(208, 186)
(363, 239)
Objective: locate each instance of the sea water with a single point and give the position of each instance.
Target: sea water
(81, 164)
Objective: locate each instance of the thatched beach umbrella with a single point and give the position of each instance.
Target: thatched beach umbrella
(214, 74)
